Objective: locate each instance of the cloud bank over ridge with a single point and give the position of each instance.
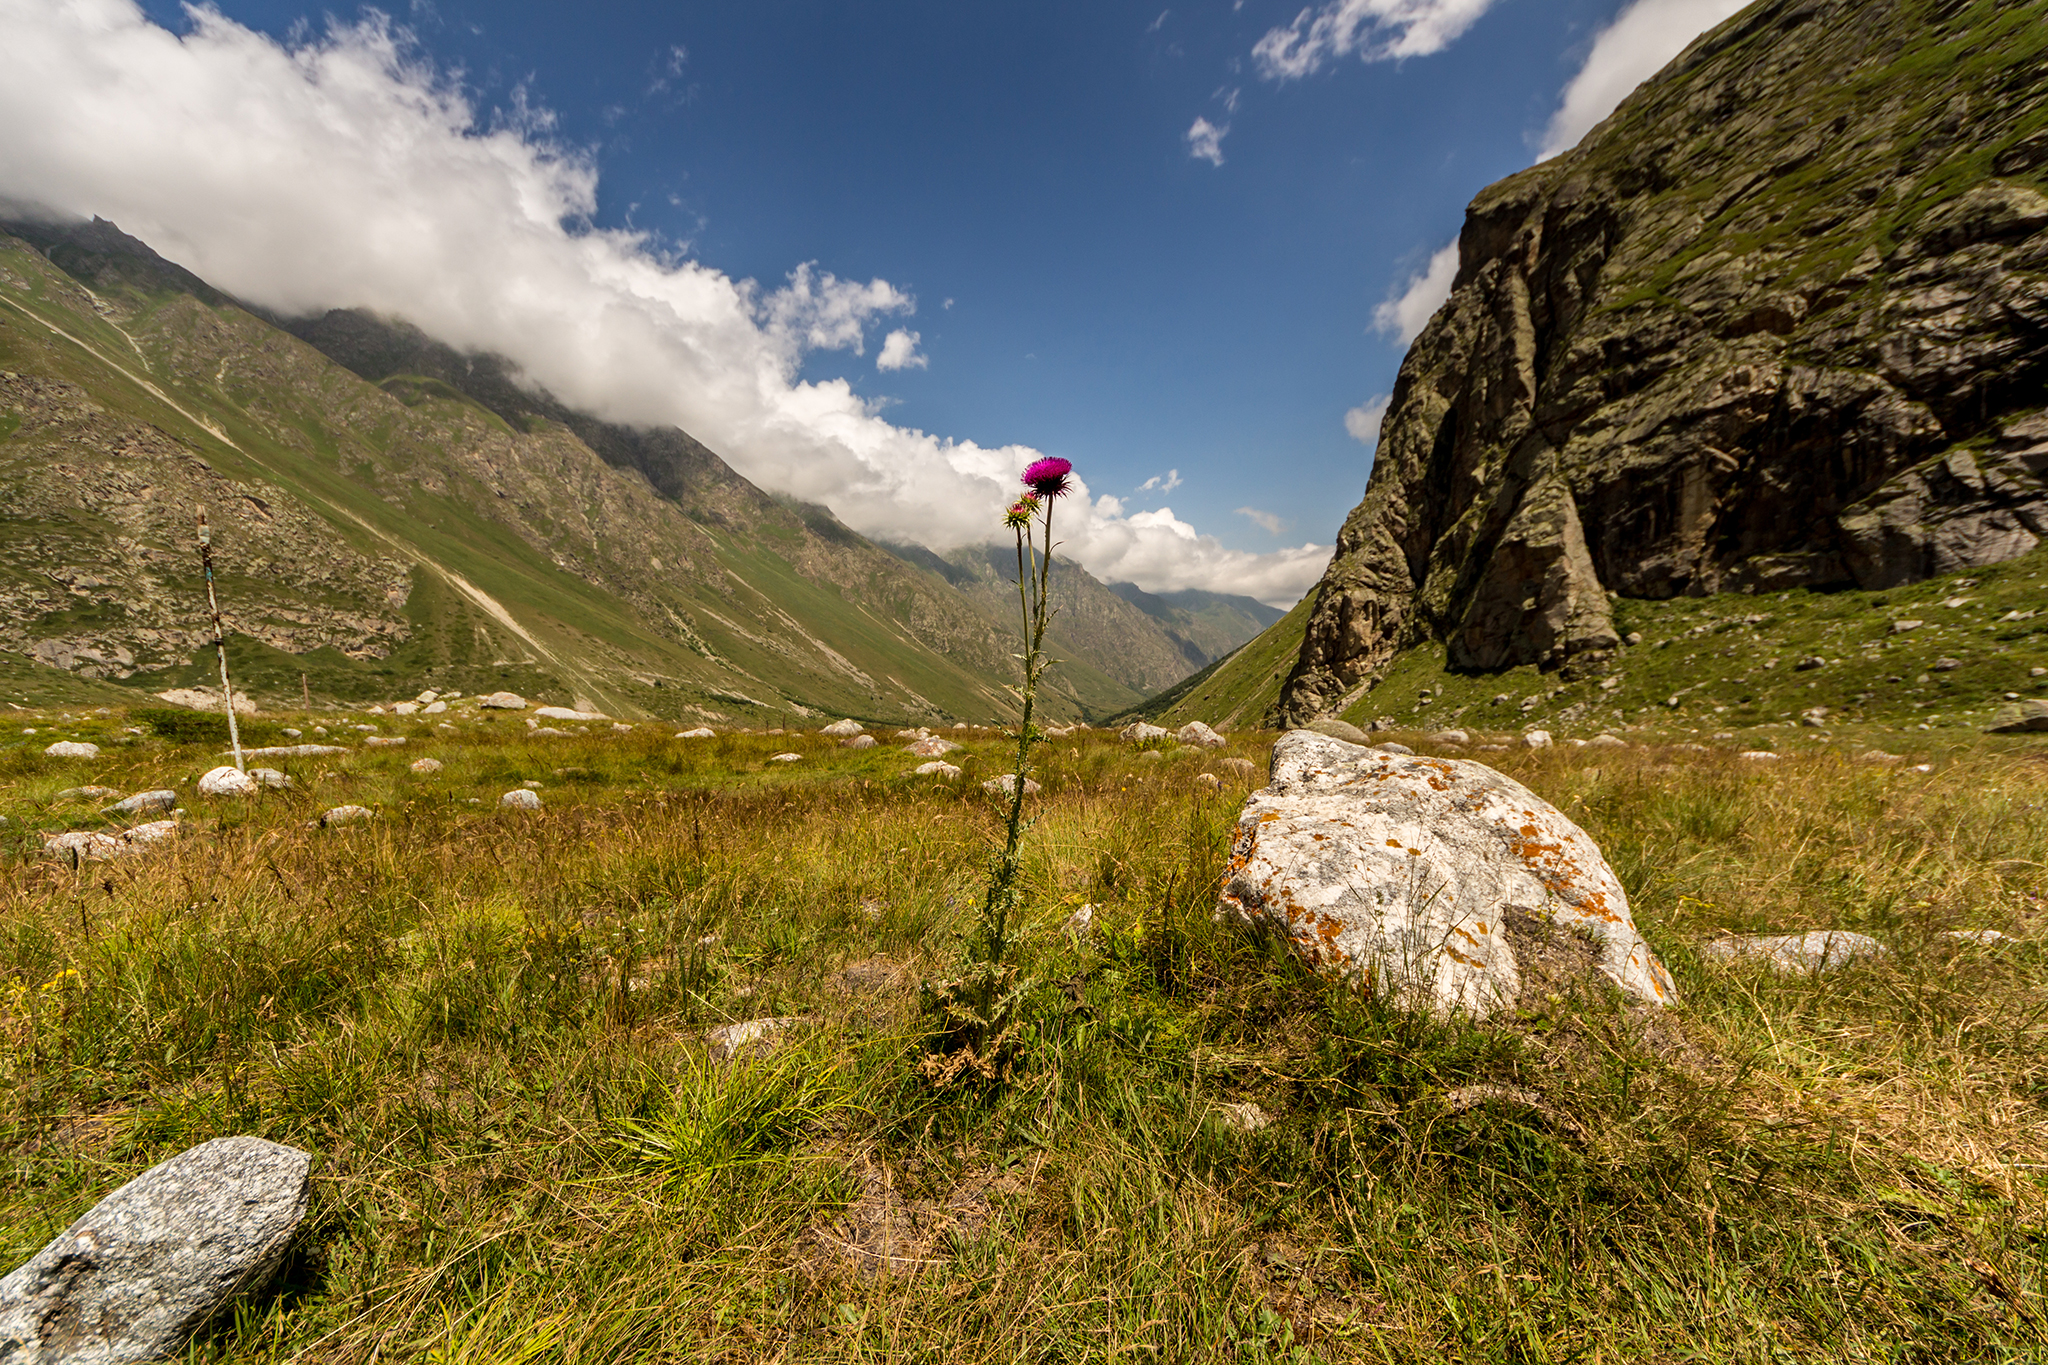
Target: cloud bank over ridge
(344, 171)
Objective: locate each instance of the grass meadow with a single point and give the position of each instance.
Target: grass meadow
(489, 1028)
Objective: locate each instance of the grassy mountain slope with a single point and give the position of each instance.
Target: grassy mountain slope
(382, 537)
(1240, 690)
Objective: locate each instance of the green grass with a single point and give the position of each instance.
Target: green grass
(488, 1029)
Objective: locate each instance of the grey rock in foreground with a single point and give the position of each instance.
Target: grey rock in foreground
(148, 1265)
(1434, 881)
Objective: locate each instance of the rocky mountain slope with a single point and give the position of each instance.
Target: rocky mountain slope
(410, 517)
(1780, 323)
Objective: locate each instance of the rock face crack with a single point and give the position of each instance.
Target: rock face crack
(1778, 322)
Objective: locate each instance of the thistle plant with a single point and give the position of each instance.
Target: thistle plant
(1030, 518)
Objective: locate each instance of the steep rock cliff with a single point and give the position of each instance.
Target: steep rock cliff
(1781, 321)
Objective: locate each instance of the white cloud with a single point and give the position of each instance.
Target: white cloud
(1642, 38)
(1408, 311)
(1205, 141)
(343, 171)
(1269, 522)
(899, 352)
(1363, 421)
(1159, 483)
(1377, 30)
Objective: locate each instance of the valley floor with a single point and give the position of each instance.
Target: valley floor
(488, 1026)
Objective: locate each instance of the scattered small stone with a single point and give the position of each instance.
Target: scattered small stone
(94, 793)
(1606, 742)
(620, 727)
(752, 1038)
(1459, 737)
(1876, 756)
(937, 768)
(549, 731)
(1081, 921)
(1989, 938)
(1153, 755)
(1813, 951)
(568, 713)
(520, 798)
(426, 767)
(2037, 672)
(1634, 637)
(434, 708)
(1200, 736)
(269, 777)
(1208, 781)
(162, 1255)
(1243, 1118)
(841, 729)
(405, 708)
(1947, 665)
(858, 742)
(1537, 739)
(226, 782)
(1809, 663)
(289, 733)
(382, 741)
(1138, 732)
(1007, 785)
(531, 784)
(71, 748)
(1758, 755)
(785, 758)
(344, 815)
(428, 697)
(1901, 627)
(701, 732)
(294, 751)
(502, 701)
(141, 802)
(932, 747)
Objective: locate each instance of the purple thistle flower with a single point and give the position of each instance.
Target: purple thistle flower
(1021, 510)
(1047, 477)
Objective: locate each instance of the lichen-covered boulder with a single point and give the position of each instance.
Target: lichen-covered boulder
(840, 729)
(226, 781)
(1434, 881)
(149, 1264)
(1199, 735)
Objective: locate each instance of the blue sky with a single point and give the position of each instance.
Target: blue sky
(1014, 184)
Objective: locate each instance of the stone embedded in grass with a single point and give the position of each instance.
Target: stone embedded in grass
(858, 742)
(701, 732)
(1243, 1118)
(405, 708)
(520, 798)
(931, 746)
(154, 1261)
(1986, 938)
(502, 701)
(1081, 921)
(840, 729)
(1208, 781)
(1449, 737)
(1340, 729)
(434, 708)
(225, 781)
(294, 751)
(1391, 747)
(1138, 732)
(2020, 717)
(91, 846)
(269, 777)
(1154, 755)
(1758, 755)
(426, 767)
(1243, 767)
(754, 1037)
(141, 802)
(92, 793)
(1199, 735)
(1007, 785)
(1537, 739)
(1816, 950)
(937, 768)
(568, 713)
(344, 815)
(1876, 756)
(1606, 742)
(382, 741)
(785, 758)
(1946, 665)
(1436, 882)
(69, 748)
(1901, 627)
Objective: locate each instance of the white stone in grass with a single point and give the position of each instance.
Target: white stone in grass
(750, 1037)
(620, 727)
(225, 781)
(785, 758)
(153, 832)
(269, 777)
(1606, 742)
(1433, 881)
(701, 732)
(502, 701)
(858, 742)
(932, 746)
(1758, 755)
(1243, 767)
(428, 697)
(69, 748)
(382, 741)
(1208, 781)
(841, 729)
(426, 767)
(1537, 739)
(568, 713)
(1081, 921)
(520, 798)
(1243, 1118)
(90, 793)
(1199, 735)
(143, 802)
(155, 1260)
(405, 708)
(344, 815)
(294, 751)
(1139, 732)
(937, 768)
(1390, 747)
(1006, 785)
(550, 731)
(1989, 938)
(434, 708)
(1816, 950)
(1450, 737)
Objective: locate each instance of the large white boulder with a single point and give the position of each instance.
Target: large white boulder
(69, 748)
(503, 701)
(1199, 735)
(225, 781)
(841, 729)
(1434, 881)
(520, 799)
